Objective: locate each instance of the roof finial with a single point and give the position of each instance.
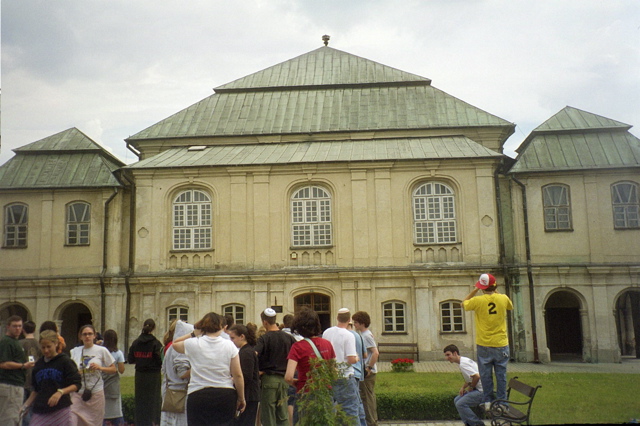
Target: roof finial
(326, 38)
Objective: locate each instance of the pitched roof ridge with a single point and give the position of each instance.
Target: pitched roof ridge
(306, 71)
(576, 119)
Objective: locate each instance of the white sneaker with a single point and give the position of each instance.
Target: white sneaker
(487, 406)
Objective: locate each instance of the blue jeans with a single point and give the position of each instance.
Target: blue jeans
(465, 402)
(347, 394)
(489, 360)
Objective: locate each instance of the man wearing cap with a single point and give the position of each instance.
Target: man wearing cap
(345, 390)
(491, 334)
(272, 349)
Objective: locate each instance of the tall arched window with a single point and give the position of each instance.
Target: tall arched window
(557, 207)
(434, 214)
(626, 208)
(192, 221)
(78, 223)
(16, 221)
(311, 217)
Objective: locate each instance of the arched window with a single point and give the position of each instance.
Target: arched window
(557, 207)
(311, 218)
(394, 317)
(78, 223)
(192, 221)
(451, 317)
(434, 214)
(16, 221)
(236, 311)
(177, 313)
(626, 208)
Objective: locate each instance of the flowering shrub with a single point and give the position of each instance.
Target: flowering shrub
(402, 364)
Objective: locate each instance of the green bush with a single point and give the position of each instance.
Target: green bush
(128, 408)
(416, 406)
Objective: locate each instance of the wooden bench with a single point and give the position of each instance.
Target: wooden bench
(504, 412)
(401, 349)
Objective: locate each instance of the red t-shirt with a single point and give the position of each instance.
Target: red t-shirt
(301, 352)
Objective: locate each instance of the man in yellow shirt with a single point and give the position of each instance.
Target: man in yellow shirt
(491, 334)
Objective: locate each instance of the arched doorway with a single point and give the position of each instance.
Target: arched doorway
(73, 316)
(321, 303)
(628, 323)
(563, 326)
(10, 310)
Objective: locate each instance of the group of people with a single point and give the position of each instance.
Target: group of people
(42, 385)
(492, 348)
(236, 377)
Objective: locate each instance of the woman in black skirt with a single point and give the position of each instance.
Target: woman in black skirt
(145, 353)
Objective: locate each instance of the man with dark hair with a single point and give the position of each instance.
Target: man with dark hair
(31, 348)
(13, 363)
(492, 341)
(272, 349)
(361, 322)
(345, 390)
(228, 323)
(470, 394)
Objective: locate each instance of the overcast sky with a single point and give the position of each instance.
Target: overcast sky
(112, 68)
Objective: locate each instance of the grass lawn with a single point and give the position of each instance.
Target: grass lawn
(564, 397)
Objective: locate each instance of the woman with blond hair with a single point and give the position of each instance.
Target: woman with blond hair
(92, 360)
(54, 378)
(215, 369)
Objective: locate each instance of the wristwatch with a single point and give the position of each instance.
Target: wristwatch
(61, 391)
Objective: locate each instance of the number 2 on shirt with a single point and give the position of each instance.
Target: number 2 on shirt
(492, 308)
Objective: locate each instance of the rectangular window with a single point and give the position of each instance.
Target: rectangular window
(557, 209)
(452, 319)
(393, 314)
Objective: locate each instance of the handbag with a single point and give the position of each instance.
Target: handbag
(174, 400)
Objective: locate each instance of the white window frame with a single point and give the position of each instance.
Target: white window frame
(434, 214)
(626, 205)
(177, 312)
(16, 225)
(451, 317)
(237, 311)
(556, 201)
(311, 217)
(78, 232)
(192, 221)
(394, 317)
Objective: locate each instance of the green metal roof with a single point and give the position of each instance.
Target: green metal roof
(322, 67)
(319, 152)
(570, 118)
(312, 111)
(325, 90)
(578, 140)
(68, 159)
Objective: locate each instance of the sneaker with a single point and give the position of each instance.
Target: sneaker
(487, 406)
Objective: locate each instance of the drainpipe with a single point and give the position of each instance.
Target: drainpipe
(532, 307)
(127, 278)
(105, 238)
(135, 151)
(503, 256)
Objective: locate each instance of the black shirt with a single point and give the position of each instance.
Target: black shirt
(251, 373)
(48, 377)
(273, 348)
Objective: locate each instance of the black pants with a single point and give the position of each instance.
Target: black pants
(248, 417)
(211, 406)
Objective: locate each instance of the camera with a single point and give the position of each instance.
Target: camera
(31, 358)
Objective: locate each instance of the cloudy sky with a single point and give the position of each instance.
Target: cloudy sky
(112, 68)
